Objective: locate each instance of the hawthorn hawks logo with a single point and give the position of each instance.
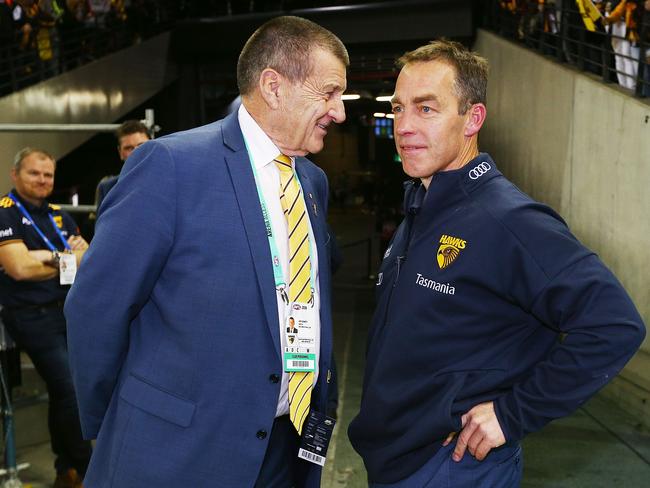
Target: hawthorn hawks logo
(449, 250)
(6, 202)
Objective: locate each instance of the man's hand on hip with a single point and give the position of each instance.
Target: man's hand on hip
(481, 432)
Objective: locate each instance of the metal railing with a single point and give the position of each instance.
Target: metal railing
(615, 52)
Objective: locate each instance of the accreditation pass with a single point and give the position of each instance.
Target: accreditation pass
(67, 268)
(300, 333)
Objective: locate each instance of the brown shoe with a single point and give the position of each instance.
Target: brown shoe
(68, 479)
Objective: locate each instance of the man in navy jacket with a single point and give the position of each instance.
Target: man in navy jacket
(130, 135)
(177, 326)
(492, 319)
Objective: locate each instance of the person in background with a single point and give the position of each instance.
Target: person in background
(39, 244)
(632, 13)
(130, 135)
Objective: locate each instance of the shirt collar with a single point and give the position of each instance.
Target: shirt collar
(261, 148)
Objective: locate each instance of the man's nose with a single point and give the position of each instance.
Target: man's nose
(403, 124)
(337, 112)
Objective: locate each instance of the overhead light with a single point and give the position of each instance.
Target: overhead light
(390, 116)
(379, 115)
(350, 96)
(384, 98)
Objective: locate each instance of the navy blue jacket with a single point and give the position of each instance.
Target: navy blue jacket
(483, 295)
(103, 187)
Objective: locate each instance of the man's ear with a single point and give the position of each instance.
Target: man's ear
(269, 86)
(477, 114)
(13, 174)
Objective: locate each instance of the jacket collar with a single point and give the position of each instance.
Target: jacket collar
(450, 187)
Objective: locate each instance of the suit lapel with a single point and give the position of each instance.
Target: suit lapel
(243, 182)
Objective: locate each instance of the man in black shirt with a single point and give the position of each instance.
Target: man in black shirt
(40, 248)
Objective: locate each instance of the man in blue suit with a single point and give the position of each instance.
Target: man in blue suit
(192, 240)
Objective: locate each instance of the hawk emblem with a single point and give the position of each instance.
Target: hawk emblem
(449, 250)
(446, 255)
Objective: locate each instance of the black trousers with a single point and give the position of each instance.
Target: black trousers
(41, 333)
(281, 467)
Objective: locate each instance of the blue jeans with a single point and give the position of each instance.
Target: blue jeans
(502, 468)
(41, 333)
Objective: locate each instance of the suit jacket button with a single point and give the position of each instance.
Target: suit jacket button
(274, 378)
(261, 434)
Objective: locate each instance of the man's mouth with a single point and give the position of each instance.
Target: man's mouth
(410, 148)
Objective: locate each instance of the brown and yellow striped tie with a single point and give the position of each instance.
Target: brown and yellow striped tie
(295, 211)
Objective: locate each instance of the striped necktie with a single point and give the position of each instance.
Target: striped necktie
(293, 204)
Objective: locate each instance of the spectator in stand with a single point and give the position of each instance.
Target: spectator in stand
(74, 27)
(7, 39)
(38, 37)
(25, 61)
(592, 35)
(632, 12)
(621, 47)
(47, 15)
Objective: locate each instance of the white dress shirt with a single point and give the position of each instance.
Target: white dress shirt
(262, 151)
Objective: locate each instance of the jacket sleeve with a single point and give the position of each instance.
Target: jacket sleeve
(600, 330)
(134, 235)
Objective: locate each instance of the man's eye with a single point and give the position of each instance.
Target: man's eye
(397, 109)
(426, 109)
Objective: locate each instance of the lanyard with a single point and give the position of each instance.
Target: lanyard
(280, 283)
(48, 243)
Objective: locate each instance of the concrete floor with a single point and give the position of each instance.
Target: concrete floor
(599, 446)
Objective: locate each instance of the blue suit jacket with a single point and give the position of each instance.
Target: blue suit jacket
(172, 321)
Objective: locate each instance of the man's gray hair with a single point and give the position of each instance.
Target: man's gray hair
(285, 44)
(27, 151)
